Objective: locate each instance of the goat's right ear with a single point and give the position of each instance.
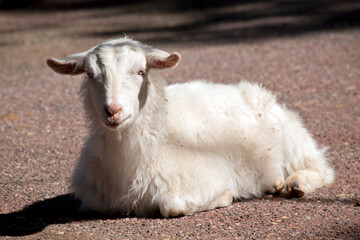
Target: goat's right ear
(74, 64)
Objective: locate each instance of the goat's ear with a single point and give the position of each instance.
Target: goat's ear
(74, 64)
(160, 59)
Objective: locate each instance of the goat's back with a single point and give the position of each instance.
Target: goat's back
(202, 114)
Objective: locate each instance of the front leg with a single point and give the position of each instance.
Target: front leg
(175, 206)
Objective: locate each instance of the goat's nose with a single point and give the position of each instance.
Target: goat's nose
(112, 109)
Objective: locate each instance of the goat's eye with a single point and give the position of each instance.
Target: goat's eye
(90, 75)
(141, 72)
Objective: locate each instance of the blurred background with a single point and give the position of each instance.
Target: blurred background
(180, 21)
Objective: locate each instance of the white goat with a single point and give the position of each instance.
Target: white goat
(182, 148)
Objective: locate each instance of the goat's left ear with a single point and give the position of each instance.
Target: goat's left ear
(160, 59)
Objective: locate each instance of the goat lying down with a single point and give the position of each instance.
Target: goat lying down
(182, 148)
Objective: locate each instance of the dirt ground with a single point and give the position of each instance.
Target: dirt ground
(308, 53)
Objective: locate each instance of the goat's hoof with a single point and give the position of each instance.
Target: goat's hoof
(229, 196)
(171, 213)
(278, 186)
(294, 188)
(173, 207)
(226, 199)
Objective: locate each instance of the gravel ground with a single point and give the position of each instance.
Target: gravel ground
(307, 53)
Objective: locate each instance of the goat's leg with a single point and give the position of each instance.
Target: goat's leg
(273, 179)
(222, 200)
(310, 169)
(276, 187)
(175, 206)
(295, 184)
(305, 181)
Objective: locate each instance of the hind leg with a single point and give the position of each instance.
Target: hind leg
(305, 181)
(273, 178)
(276, 187)
(295, 185)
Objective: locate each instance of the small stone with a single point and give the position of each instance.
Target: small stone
(10, 117)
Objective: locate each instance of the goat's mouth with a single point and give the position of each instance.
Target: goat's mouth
(115, 124)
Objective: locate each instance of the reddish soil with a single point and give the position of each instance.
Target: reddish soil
(307, 53)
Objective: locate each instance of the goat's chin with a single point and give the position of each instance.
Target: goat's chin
(115, 126)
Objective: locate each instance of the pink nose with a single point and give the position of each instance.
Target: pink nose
(113, 110)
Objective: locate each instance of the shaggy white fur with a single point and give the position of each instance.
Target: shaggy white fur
(182, 148)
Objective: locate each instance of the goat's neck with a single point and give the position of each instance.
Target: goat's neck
(125, 155)
(149, 127)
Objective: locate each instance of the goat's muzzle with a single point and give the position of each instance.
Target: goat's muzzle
(113, 117)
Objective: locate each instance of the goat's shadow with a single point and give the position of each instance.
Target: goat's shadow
(65, 209)
(35, 217)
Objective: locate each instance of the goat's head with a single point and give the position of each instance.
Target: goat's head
(116, 74)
